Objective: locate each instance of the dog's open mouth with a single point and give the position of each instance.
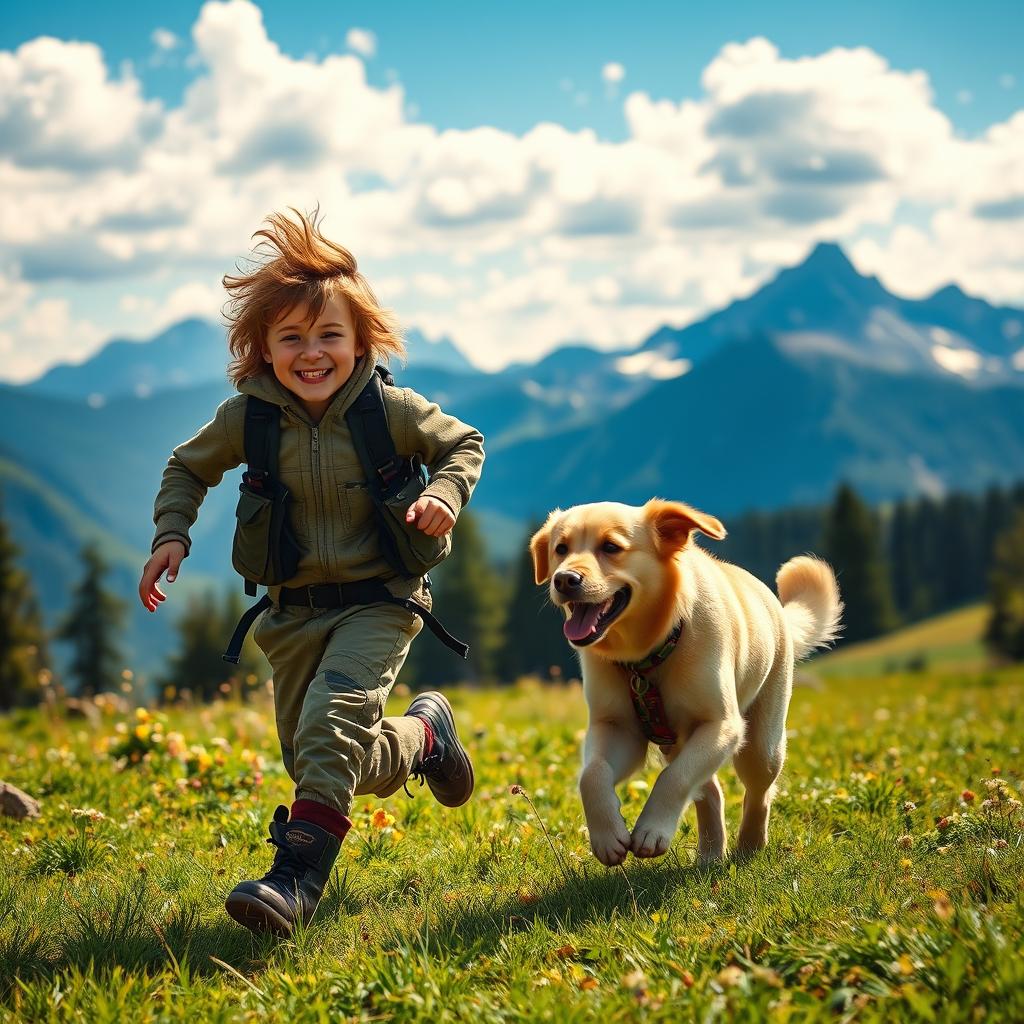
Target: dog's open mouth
(587, 623)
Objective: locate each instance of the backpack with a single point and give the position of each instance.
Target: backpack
(265, 551)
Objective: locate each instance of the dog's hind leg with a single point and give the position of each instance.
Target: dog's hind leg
(710, 806)
(759, 761)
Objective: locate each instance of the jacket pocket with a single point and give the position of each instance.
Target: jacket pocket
(419, 551)
(265, 550)
(357, 510)
(251, 549)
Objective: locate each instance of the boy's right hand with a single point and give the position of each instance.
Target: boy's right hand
(168, 556)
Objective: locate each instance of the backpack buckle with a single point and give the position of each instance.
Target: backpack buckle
(255, 480)
(390, 470)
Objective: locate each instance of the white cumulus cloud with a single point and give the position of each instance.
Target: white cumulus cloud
(362, 41)
(509, 243)
(59, 109)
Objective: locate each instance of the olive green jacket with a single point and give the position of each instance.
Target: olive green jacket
(332, 514)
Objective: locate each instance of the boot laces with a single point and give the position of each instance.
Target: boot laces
(427, 766)
(288, 866)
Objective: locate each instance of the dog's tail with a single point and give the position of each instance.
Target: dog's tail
(810, 602)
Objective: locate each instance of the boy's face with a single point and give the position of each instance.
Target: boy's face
(314, 360)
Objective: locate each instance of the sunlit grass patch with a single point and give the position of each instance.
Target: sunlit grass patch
(890, 889)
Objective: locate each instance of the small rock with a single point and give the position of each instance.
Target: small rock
(15, 803)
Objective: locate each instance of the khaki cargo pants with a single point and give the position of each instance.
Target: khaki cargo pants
(333, 671)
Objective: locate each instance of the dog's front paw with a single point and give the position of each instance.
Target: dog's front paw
(611, 844)
(650, 840)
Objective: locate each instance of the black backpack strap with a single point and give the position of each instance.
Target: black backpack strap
(368, 421)
(261, 440)
(234, 651)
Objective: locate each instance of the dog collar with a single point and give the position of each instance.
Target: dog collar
(645, 695)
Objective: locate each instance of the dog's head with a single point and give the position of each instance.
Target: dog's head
(614, 571)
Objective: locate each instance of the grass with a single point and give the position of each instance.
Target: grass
(887, 893)
(948, 642)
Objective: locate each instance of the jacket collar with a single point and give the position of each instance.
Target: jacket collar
(266, 386)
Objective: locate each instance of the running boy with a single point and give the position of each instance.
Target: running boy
(306, 332)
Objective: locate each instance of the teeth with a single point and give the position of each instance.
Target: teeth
(312, 374)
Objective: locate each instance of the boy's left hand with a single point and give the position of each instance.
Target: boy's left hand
(431, 516)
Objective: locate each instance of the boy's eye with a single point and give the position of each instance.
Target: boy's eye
(610, 548)
(561, 549)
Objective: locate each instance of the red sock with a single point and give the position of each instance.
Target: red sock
(428, 738)
(326, 817)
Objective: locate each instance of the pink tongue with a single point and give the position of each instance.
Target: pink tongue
(584, 618)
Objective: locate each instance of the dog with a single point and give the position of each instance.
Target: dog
(625, 578)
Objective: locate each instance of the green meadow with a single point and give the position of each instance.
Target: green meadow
(891, 888)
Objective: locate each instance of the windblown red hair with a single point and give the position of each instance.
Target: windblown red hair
(295, 265)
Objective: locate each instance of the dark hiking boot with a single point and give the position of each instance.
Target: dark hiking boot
(447, 769)
(292, 888)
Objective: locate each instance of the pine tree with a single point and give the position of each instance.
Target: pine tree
(198, 666)
(997, 517)
(853, 547)
(91, 627)
(901, 559)
(1005, 631)
(469, 599)
(534, 641)
(23, 652)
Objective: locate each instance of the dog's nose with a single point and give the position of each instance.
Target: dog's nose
(567, 581)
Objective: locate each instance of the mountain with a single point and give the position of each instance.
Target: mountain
(824, 306)
(782, 432)
(440, 354)
(189, 353)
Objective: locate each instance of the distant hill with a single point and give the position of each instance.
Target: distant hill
(952, 642)
(51, 531)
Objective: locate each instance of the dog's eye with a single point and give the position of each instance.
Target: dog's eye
(561, 549)
(610, 548)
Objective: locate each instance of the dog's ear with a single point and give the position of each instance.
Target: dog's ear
(539, 548)
(673, 523)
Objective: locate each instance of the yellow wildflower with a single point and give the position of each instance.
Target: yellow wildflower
(381, 819)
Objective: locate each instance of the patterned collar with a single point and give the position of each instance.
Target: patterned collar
(656, 657)
(645, 695)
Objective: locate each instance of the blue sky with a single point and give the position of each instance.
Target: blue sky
(513, 177)
(467, 64)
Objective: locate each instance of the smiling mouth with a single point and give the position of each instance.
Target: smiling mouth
(312, 376)
(587, 623)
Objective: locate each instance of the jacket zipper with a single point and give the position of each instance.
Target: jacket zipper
(318, 492)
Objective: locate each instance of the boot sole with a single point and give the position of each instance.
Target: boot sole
(442, 700)
(256, 915)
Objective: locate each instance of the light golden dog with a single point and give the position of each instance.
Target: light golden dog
(625, 577)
